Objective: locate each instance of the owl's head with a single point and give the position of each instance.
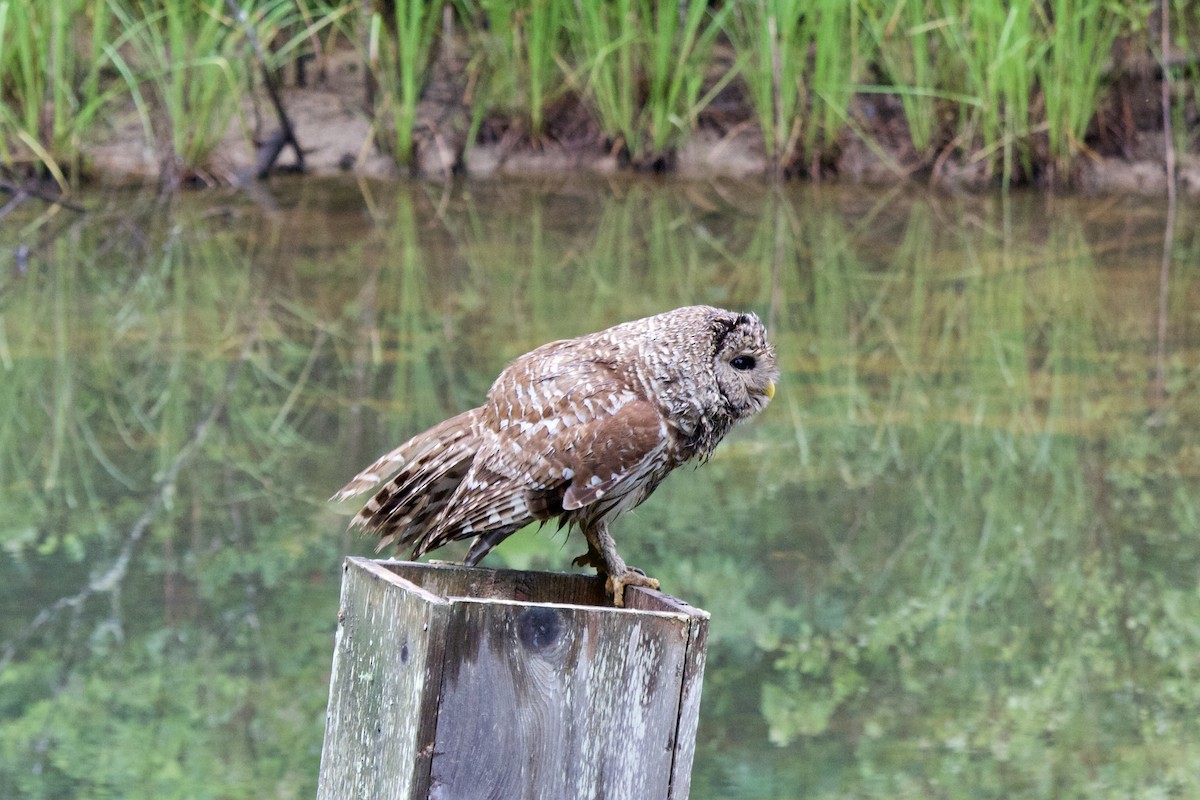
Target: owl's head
(744, 363)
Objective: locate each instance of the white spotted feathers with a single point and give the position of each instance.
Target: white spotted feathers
(580, 430)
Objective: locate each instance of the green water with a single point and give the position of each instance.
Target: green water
(958, 556)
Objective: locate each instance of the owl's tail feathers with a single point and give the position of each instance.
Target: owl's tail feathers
(428, 468)
(408, 453)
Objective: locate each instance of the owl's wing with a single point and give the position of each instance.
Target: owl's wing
(555, 463)
(611, 450)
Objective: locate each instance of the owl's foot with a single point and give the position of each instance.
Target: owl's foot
(602, 554)
(615, 585)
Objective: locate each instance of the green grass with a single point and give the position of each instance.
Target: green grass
(541, 29)
(399, 49)
(994, 49)
(1070, 75)
(681, 39)
(1009, 89)
(182, 74)
(517, 65)
(1184, 73)
(767, 36)
(901, 30)
(50, 64)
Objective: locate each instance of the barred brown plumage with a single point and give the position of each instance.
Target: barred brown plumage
(580, 430)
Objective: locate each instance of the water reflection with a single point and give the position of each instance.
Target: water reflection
(956, 558)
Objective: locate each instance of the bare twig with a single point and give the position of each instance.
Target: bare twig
(1164, 42)
(1164, 272)
(22, 192)
(287, 132)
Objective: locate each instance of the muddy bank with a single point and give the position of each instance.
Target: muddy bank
(331, 121)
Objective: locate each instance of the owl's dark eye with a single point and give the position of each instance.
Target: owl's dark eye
(743, 363)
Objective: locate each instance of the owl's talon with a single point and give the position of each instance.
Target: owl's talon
(591, 558)
(615, 585)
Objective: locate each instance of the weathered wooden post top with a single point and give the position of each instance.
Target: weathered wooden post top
(459, 683)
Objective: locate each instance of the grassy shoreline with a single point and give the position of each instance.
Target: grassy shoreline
(1005, 94)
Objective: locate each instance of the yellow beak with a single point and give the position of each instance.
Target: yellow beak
(770, 391)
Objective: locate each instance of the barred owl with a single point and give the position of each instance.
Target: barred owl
(578, 430)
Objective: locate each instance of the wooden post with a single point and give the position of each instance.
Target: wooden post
(458, 683)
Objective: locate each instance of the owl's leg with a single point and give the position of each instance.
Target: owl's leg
(601, 544)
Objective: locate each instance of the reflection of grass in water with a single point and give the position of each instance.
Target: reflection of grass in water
(108, 370)
(410, 320)
(949, 552)
(969, 602)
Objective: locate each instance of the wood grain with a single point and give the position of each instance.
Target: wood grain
(379, 724)
(458, 683)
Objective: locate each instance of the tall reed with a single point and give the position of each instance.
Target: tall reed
(678, 54)
(541, 24)
(990, 57)
(606, 46)
(399, 49)
(51, 60)
(801, 60)
(1071, 74)
(985, 83)
(518, 51)
(768, 39)
(833, 34)
(643, 65)
(185, 56)
(902, 33)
